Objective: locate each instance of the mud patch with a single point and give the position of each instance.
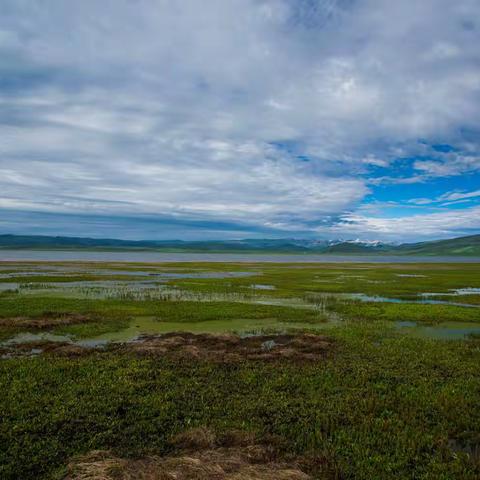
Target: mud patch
(202, 456)
(48, 320)
(184, 346)
(62, 349)
(232, 348)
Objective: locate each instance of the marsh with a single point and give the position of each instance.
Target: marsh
(323, 358)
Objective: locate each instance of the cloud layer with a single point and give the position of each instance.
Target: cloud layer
(279, 115)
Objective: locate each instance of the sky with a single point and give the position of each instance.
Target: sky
(217, 119)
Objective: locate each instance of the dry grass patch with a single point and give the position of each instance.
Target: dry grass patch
(233, 348)
(63, 349)
(203, 457)
(47, 320)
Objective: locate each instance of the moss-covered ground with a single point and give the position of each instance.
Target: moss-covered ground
(382, 406)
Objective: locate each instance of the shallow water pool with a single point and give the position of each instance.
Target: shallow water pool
(151, 325)
(441, 331)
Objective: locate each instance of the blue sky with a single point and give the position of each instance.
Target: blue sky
(152, 119)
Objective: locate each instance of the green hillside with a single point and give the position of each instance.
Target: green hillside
(467, 246)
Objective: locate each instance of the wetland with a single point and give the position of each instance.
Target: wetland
(343, 370)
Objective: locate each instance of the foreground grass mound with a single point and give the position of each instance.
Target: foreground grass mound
(202, 456)
(380, 406)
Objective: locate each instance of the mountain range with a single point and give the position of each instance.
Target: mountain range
(462, 246)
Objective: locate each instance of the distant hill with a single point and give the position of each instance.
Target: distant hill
(463, 246)
(58, 243)
(466, 246)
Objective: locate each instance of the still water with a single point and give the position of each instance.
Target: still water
(150, 325)
(161, 257)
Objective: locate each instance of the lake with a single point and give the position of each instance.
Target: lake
(163, 257)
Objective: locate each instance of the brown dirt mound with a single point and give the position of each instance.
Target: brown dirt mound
(192, 347)
(47, 320)
(232, 348)
(205, 458)
(64, 349)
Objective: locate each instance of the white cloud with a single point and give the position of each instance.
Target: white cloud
(449, 165)
(413, 227)
(420, 201)
(202, 109)
(453, 196)
(373, 160)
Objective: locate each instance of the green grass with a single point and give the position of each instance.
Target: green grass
(384, 406)
(25, 279)
(471, 299)
(428, 314)
(112, 315)
(389, 409)
(371, 279)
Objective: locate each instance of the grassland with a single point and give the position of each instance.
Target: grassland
(381, 405)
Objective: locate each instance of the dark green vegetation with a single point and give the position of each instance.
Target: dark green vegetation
(383, 405)
(110, 315)
(428, 314)
(463, 246)
(394, 409)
